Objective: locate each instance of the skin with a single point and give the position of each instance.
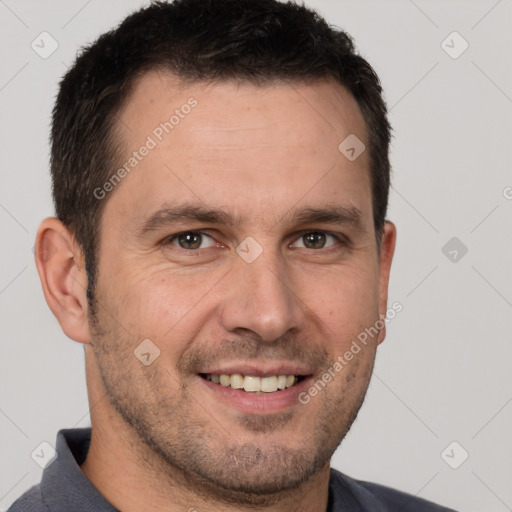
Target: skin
(160, 439)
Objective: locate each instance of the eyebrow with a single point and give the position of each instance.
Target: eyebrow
(169, 215)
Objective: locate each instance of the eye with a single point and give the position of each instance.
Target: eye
(196, 240)
(190, 240)
(318, 240)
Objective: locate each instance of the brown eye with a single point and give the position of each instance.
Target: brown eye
(190, 240)
(315, 240)
(318, 240)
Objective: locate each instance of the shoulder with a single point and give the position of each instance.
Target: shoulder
(372, 497)
(30, 501)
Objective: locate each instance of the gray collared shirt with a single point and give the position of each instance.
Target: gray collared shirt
(64, 488)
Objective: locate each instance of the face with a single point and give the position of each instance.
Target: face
(241, 244)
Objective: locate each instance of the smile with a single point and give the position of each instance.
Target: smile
(254, 384)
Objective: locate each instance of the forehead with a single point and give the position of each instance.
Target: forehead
(240, 145)
(326, 106)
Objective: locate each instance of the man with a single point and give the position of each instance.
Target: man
(220, 174)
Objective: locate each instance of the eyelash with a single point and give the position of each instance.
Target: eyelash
(343, 241)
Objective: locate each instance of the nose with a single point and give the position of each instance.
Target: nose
(261, 299)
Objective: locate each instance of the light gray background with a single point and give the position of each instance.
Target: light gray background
(443, 373)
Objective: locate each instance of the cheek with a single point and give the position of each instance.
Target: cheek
(347, 302)
(165, 307)
(169, 305)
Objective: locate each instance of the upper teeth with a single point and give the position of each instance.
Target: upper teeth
(251, 383)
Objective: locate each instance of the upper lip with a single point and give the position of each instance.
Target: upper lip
(261, 369)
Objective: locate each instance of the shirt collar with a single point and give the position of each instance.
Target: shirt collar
(64, 486)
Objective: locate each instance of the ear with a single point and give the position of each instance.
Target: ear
(387, 249)
(61, 268)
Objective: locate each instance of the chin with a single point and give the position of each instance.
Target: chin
(257, 472)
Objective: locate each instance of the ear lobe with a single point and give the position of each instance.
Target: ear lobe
(61, 268)
(387, 250)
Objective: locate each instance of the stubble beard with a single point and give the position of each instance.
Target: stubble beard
(178, 449)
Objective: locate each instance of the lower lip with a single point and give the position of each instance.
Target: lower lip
(263, 403)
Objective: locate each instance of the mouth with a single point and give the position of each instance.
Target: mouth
(256, 387)
(253, 384)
